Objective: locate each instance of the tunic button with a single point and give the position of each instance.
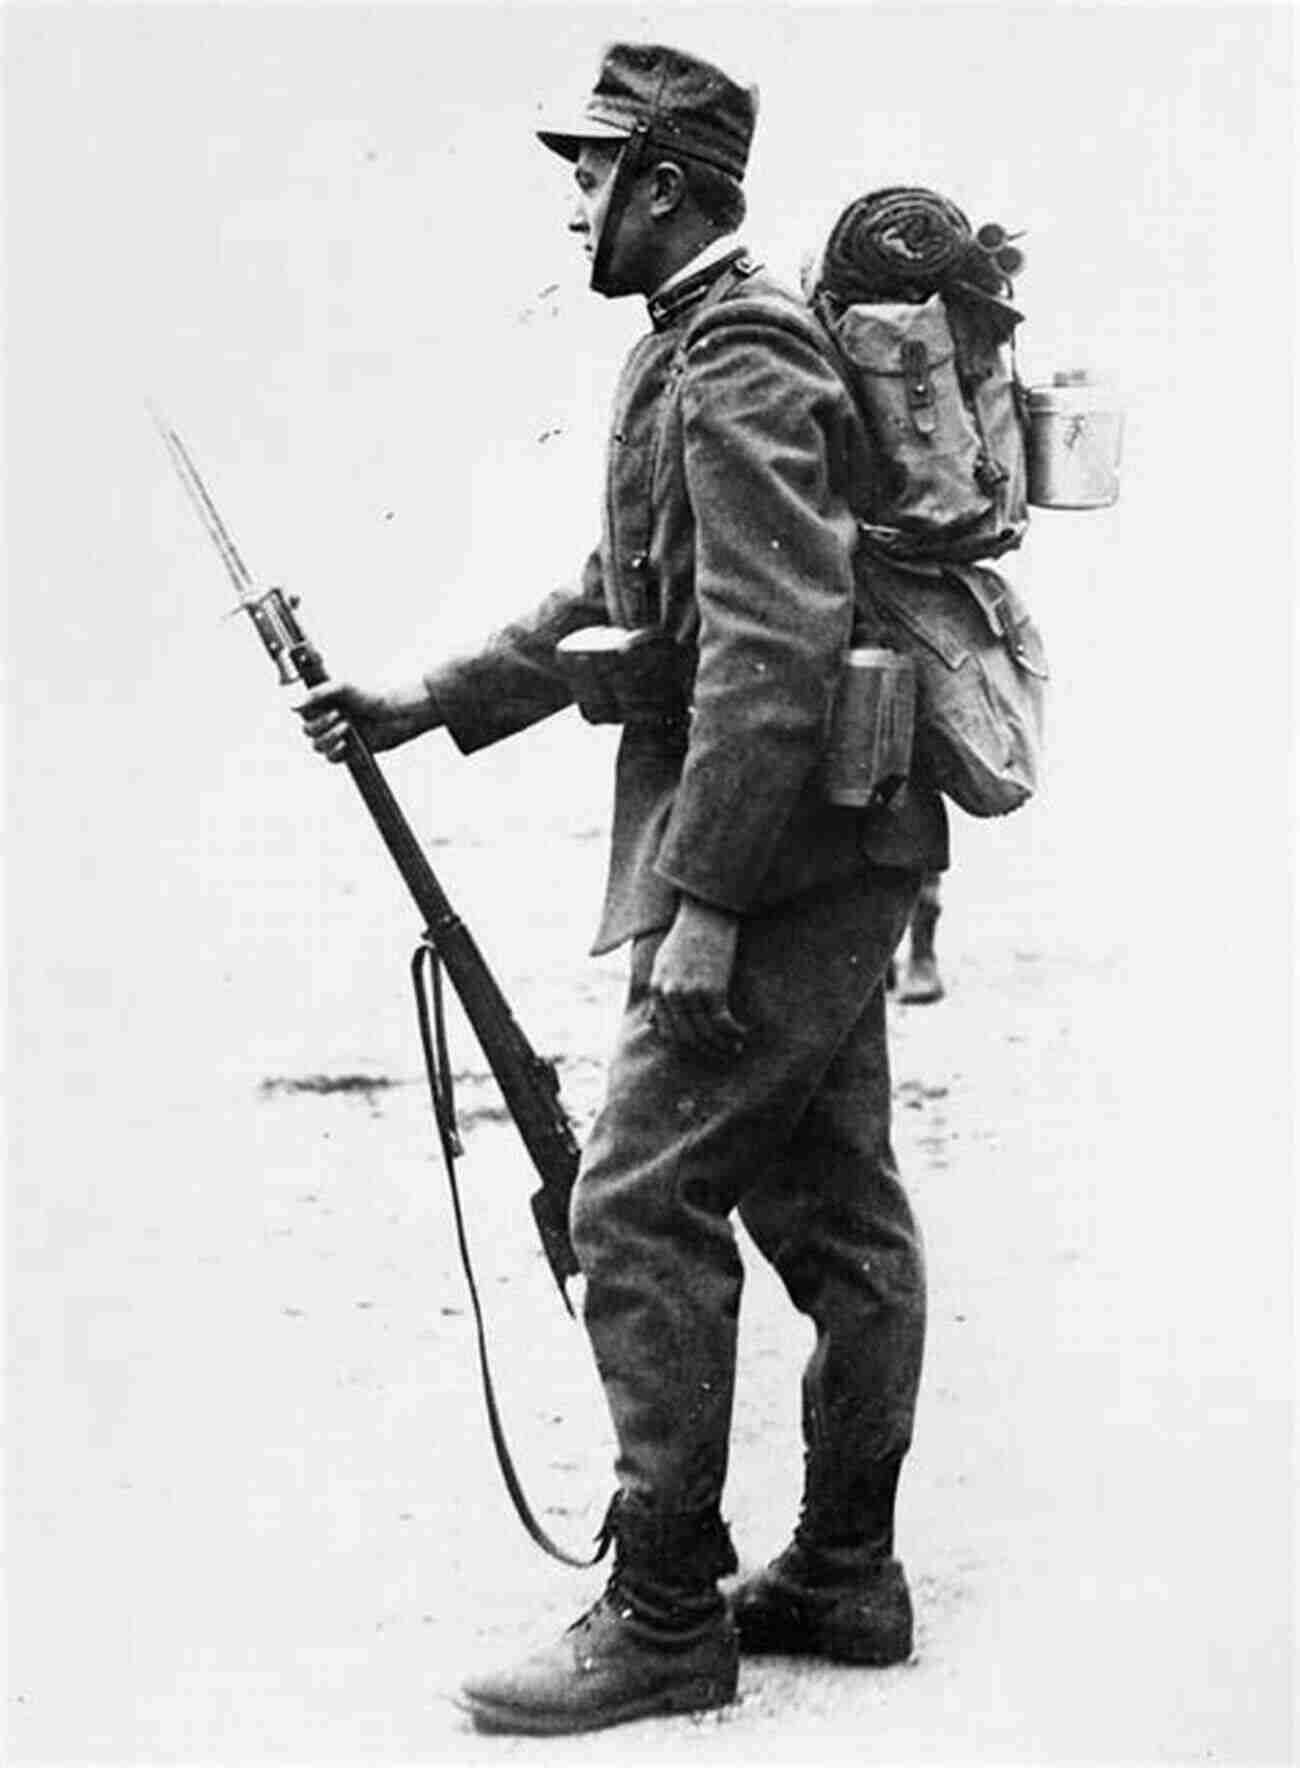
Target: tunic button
(637, 562)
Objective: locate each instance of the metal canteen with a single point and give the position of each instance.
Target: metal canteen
(1076, 429)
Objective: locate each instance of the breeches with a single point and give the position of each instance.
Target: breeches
(794, 1135)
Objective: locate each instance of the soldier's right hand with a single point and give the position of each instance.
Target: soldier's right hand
(383, 718)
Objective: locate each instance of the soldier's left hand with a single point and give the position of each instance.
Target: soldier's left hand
(690, 980)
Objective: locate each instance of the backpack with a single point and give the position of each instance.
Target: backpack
(943, 411)
(943, 490)
(981, 677)
(913, 305)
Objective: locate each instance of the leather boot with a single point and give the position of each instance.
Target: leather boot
(921, 983)
(658, 1640)
(836, 1591)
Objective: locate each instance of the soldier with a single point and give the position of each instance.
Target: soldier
(750, 1073)
(920, 983)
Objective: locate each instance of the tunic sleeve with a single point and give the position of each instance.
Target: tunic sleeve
(512, 681)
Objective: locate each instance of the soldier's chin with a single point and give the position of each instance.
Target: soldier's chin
(609, 281)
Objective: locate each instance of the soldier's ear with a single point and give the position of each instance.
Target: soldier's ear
(667, 188)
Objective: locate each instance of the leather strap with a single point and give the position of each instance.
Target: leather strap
(426, 978)
(631, 158)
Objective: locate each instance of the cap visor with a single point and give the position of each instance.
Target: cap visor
(569, 141)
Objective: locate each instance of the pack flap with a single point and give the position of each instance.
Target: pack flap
(925, 606)
(1007, 616)
(997, 601)
(926, 609)
(875, 337)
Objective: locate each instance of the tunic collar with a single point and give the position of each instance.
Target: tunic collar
(687, 287)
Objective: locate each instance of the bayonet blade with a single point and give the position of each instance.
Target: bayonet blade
(206, 510)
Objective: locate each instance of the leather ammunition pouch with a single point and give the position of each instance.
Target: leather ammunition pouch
(620, 675)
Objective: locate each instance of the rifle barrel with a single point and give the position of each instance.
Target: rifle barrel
(527, 1082)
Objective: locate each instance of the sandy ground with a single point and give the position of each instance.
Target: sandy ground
(257, 1518)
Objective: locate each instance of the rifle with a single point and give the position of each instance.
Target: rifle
(529, 1084)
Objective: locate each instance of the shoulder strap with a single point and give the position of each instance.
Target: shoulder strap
(734, 276)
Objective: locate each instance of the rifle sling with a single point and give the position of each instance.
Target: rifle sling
(426, 978)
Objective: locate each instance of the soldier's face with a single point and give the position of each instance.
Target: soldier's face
(593, 178)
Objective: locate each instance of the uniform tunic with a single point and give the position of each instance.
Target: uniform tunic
(728, 526)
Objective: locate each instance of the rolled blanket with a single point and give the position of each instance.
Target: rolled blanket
(906, 244)
(899, 244)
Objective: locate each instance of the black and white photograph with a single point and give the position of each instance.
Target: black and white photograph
(649, 883)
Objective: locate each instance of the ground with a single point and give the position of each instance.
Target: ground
(260, 1520)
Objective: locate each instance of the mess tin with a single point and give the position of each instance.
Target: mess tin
(1075, 430)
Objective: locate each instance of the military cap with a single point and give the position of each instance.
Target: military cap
(681, 102)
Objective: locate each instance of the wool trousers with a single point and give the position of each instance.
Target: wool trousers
(793, 1136)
